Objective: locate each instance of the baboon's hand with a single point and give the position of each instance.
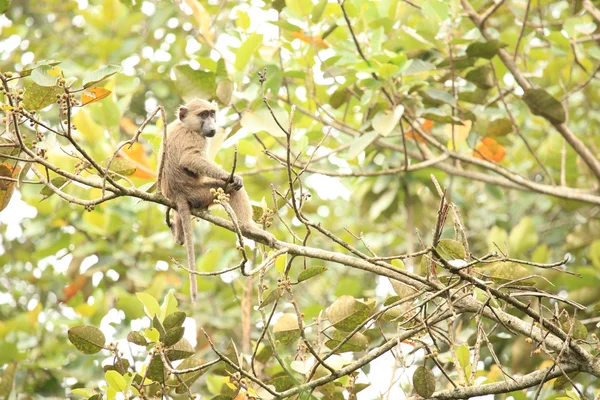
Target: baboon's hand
(237, 183)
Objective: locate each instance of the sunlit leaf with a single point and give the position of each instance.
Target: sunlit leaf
(101, 74)
(37, 97)
(193, 83)
(286, 329)
(46, 75)
(247, 50)
(385, 122)
(361, 143)
(346, 313)
(490, 150)
(115, 381)
(151, 306)
(94, 94)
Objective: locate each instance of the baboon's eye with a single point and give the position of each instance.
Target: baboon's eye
(204, 114)
(213, 113)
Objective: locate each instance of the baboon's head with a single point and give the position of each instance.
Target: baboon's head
(199, 116)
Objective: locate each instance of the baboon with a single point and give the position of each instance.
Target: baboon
(188, 176)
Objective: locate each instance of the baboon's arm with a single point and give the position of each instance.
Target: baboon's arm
(202, 167)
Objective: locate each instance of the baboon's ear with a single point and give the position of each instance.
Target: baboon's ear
(182, 112)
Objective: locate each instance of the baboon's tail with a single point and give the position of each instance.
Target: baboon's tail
(185, 217)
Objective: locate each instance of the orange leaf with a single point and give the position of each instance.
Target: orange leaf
(137, 155)
(74, 287)
(7, 187)
(490, 149)
(427, 125)
(98, 94)
(128, 126)
(414, 135)
(316, 40)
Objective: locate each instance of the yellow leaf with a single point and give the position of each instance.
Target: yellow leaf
(137, 155)
(55, 71)
(461, 132)
(96, 94)
(202, 18)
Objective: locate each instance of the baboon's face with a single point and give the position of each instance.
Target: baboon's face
(200, 116)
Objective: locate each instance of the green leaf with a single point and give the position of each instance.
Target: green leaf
(156, 370)
(4, 4)
(173, 336)
(499, 127)
(464, 359)
(87, 339)
(361, 143)
(79, 391)
(137, 338)
(123, 167)
(485, 50)
(271, 297)
(191, 83)
(310, 272)
(522, 237)
(435, 9)
(224, 92)
(541, 103)
(579, 332)
(247, 50)
(451, 249)
(45, 75)
(152, 334)
(595, 253)
(481, 77)
(151, 306)
(301, 8)
(437, 97)
(7, 380)
(115, 381)
(37, 97)
(358, 342)
(101, 74)
(563, 382)
(418, 66)
(190, 377)
(385, 121)
(505, 271)
(27, 69)
(477, 96)
(338, 98)
(437, 115)
(56, 182)
(317, 11)
(286, 329)
(168, 307)
(174, 320)
(158, 326)
(424, 382)
(182, 349)
(346, 313)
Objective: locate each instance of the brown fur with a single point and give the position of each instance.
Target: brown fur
(188, 175)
